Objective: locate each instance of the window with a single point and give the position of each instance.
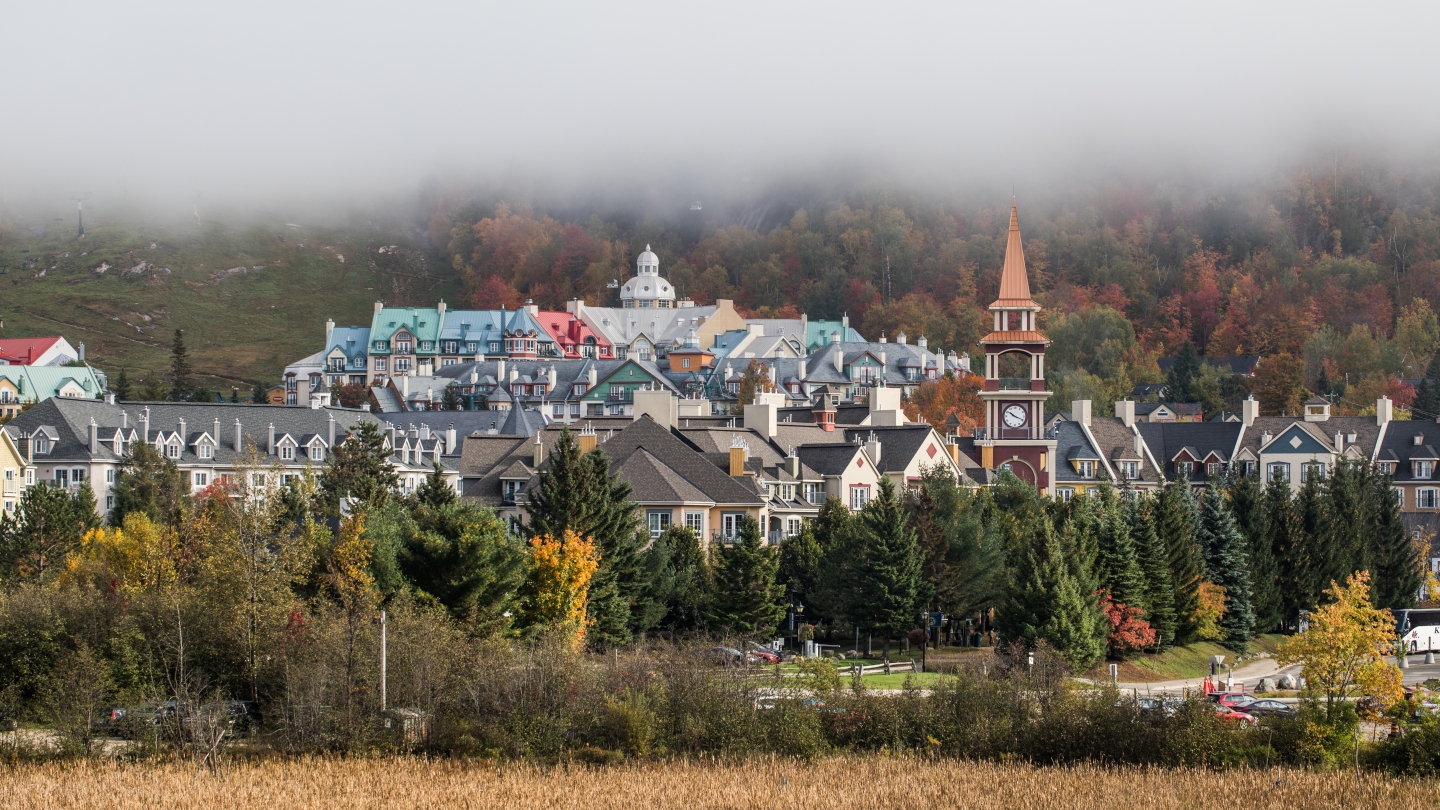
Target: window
(257, 479)
(658, 522)
(1424, 469)
(558, 410)
(1129, 470)
(574, 409)
(30, 477)
(1248, 468)
(109, 476)
(789, 492)
(1313, 470)
(684, 362)
(859, 496)
(204, 451)
(1064, 494)
(1212, 469)
(109, 503)
(287, 453)
(695, 521)
(508, 489)
(792, 526)
(1398, 493)
(62, 477)
(172, 450)
(814, 493)
(403, 347)
(77, 475)
(1278, 471)
(402, 364)
(202, 479)
(864, 375)
(379, 364)
(426, 345)
(1184, 467)
(644, 353)
(730, 524)
(494, 347)
(596, 409)
(1426, 498)
(1086, 469)
(317, 453)
(42, 444)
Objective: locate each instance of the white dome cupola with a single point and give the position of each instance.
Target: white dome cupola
(648, 290)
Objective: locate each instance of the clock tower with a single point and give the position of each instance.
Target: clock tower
(1014, 436)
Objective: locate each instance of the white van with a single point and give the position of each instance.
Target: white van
(1423, 638)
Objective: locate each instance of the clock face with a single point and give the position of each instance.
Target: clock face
(1015, 416)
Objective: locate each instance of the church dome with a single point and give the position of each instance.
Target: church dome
(648, 288)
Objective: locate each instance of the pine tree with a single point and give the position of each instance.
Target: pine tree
(1175, 518)
(1426, 404)
(1185, 369)
(1046, 602)
(748, 600)
(359, 467)
(434, 491)
(1154, 562)
(838, 594)
(1118, 563)
(692, 581)
(891, 572)
(181, 386)
(122, 387)
(1226, 563)
(450, 400)
(1396, 565)
(1285, 536)
(1311, 514)
(1322, 383)
(1432, 371)
(1345, 524)
(257, 394)
(1247, 504)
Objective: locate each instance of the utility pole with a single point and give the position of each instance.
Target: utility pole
(80, 197)
(382, 661)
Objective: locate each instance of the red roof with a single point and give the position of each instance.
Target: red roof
(20, 351)
(568, 331)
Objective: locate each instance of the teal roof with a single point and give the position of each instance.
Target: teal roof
(817, 333)
(422, 322)
(40, 383)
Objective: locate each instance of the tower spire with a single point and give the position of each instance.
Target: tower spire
(1014, 281)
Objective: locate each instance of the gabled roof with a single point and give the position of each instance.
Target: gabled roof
(899, 444)
(829, 459)
(653, 481)
(1167, 440)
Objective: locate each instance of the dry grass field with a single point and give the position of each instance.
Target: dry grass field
(868, 783)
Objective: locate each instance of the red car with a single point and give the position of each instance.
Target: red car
(1233, 700)
(762, 655)
(1229, 715)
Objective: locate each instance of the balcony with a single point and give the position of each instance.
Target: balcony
(621, 395)
(1021, 433)
(1014, 383)
(723, 538)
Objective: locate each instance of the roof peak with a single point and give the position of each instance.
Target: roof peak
(1014, 280)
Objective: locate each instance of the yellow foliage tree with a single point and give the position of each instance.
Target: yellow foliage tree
(348, 567)
(137, 556)
(1343, 650)
(559, 582)
(1209, 609)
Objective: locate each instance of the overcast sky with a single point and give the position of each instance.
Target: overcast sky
(264, 100)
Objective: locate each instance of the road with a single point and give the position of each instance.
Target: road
(1247, 676)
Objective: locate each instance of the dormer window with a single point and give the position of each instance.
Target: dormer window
(1129, 470)
(317, 453)
(287, 453)
(1085, 468)
(42, 444)
(204, 451)
(402, 346)
(1184, 467)
(1423, 469)
(172, 450)
(1212, 469)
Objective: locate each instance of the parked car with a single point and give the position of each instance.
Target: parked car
(1233, 700)
(729, 656)
(762, 654)
(1229, 715)
(1270, 708)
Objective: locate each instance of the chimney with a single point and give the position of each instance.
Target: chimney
(379, 306)
(125, 419)
(514, 373)
(80, 352)
(404, 387)
(591, 378)
(587, 438)
(216, 434)
(872, 449)
(737, 457)
(440, 308)
(474, 376)
(329, 332)
(550, 378)
(835, 336)
(845, 322)
(145, 425)
(901, 338)
(109, 397)
(239, 435)
(451, 445)
(804, 368)
(792, 464)
(923, 343)
(1125, 412)
(429, 395)
(425, 431)
(1383, 412)
(539, 451)
(1339, 441)
(94, 436)
(500, 371)
(839, 361)
(331, 440)
(761, 418)
(271, 450)
(1249, 409)
(1080, 411)
(882, 338)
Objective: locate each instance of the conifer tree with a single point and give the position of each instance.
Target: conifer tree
(748, 600)
(1118, 563)
(434, 491)
(692, 583)
(1226, 563)
(121, 388)
(891, 574)
(1396, 562)
(1312, 515)
(1046, 602)
(180, 383)
(1285, 535)
(1185, 369)
(838, 593)
(1345, 524)
(1175, 519)
(1426, 404)
(1155, 566)
(1246, 500)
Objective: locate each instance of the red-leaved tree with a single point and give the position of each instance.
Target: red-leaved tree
(1129, 631)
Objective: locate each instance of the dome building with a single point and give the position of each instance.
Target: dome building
(648, 290)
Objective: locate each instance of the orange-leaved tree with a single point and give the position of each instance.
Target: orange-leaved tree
(1343, 650)
(137, 556)
(554, 594)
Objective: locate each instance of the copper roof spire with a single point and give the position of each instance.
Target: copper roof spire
(1014, 282)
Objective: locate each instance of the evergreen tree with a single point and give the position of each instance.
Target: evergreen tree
(1313, 553)
(1322, 383)
(1396, 564)
(891, 573)
(838, 594)
(1182, 373)
(801, 558)
(181, 386)
(1154, 562)
(1118, 562)
(1432, 371)
(466, 558)
(48, 525)
(359, 467)
(1046, 602)
(1285, 538)
(1226, 563)
(450, 399)
(692, 583)
(1247, 504)
(748, 600)
(1426, 404)
(434, 491)
(121, 388)
(257, 394)
(152, 485)
(1346, 524)
(964, 564)
(1176, 517)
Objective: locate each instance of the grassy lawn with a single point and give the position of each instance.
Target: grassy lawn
(1176, 663)
(240, 327)
(896, 680)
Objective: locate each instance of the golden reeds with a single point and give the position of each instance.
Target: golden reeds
(863, 783)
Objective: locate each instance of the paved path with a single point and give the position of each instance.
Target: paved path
(1247, 675)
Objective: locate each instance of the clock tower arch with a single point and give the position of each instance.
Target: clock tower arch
(1014, 436)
